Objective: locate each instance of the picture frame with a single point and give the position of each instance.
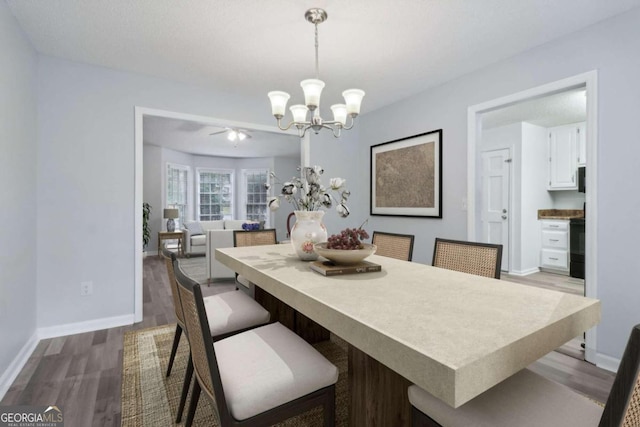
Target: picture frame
(406, 176)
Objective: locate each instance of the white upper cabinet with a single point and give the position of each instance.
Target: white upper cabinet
(582, 144)
(563, 156)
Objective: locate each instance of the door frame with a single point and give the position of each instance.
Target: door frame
(139, 114)
(589, 80)
(511, 150)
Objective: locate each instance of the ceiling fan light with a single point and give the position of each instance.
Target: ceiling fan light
(241, 135)
(339, 113)
(233, 135)
(299, 113)
(353, 99)
(312, 89)
(278, 102)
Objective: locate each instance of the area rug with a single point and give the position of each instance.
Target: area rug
(149, 398)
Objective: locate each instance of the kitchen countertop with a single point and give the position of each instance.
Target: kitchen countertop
(560, 213)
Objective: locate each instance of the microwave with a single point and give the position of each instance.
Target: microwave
(581, 179)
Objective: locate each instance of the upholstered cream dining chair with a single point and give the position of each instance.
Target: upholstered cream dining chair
(258, 377)
(228, 312)
(527, 399)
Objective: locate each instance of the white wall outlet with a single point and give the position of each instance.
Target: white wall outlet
(86, 288)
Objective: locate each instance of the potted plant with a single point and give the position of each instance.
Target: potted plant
(146, 228)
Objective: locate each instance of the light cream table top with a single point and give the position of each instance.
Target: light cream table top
(453, 334)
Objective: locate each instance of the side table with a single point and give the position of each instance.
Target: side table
(171, 235)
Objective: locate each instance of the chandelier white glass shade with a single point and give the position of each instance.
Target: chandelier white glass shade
(312, 89)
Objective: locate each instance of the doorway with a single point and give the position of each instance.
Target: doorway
(140, 113)
(474, 190)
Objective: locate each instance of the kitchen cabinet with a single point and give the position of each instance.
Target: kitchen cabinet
(563, 156)
(582, 144)
(554, 253)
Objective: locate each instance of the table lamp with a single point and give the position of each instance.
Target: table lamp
(171, 214)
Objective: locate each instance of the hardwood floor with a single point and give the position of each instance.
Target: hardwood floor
(566, 365)
(82, 373)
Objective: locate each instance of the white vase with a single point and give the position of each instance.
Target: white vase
(307, 231)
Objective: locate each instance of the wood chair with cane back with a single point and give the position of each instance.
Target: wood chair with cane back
(393, 245)
(229, 313)
(481, 259)
(258, 377)
(527, 399)
(252, 238)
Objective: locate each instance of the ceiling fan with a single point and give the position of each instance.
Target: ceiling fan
(234, 134)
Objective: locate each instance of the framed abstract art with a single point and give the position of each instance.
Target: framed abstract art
(406, 176)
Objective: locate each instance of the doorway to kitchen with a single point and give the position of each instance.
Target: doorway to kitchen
(586, 82)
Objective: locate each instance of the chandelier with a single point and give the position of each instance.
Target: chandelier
(312, 89)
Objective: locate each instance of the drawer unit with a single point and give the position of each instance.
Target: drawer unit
(555, 225)
(554, 253)
(555, 239)
(555, 259)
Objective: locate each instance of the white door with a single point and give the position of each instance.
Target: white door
(496, 178)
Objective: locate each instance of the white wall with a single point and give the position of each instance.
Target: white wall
(612, 48)
(284, 168)
(341, 158)
(18, 166)
(567, 199)
(535, 161)
(86, 181)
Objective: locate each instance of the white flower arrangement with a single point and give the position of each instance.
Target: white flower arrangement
(308, 194)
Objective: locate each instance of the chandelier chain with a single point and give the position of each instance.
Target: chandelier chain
(317, 66)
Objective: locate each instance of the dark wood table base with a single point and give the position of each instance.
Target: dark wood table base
(309, 330)
(378, 394)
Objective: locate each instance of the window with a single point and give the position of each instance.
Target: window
(215, 194)
(178, 190)
(255, 194)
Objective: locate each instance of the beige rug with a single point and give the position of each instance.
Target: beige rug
(151, 399)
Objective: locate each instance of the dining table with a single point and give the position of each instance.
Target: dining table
(454, 334)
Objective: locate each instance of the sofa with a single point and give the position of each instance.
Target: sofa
(205, 237)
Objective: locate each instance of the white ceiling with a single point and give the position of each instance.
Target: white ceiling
(195, 138)
(391, 49)
(553, 110)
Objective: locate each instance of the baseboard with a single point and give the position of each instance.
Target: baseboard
(12, 371)
(82, 327)
(555, 271)
(524, 272)
(607, 362)
(14, 368)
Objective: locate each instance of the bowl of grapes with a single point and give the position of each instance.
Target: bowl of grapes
(346, 248)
